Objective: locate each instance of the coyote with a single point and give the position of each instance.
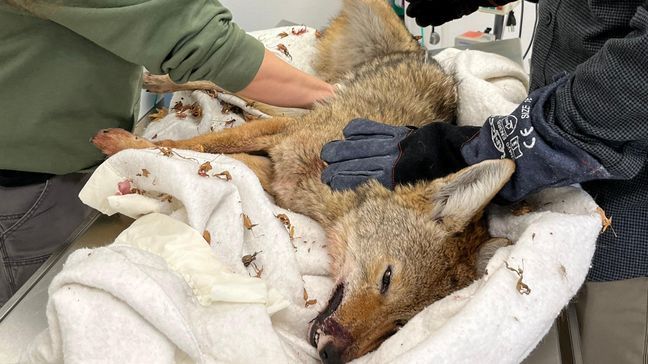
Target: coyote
(394, 252)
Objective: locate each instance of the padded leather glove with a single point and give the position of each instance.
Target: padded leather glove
(435, 12)
(393, 155)
(543, 158)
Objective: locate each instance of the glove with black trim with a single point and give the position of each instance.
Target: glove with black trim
(393, 154)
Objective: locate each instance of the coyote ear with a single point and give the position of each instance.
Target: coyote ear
(464, 194)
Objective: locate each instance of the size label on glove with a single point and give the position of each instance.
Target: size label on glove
(511, 134)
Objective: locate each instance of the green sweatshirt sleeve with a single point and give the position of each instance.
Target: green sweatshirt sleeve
(189, 39)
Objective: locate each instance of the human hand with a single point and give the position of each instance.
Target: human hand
(369, 151)
(543, 157)
(392, 154)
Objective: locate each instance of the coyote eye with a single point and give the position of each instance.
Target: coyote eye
(386, 280)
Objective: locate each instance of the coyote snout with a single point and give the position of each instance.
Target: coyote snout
(394, 253)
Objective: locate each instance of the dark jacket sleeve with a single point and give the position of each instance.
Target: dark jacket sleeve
(603, 108)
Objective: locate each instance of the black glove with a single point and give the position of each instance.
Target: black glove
(435, 12)
(393, 155)
(542, 157)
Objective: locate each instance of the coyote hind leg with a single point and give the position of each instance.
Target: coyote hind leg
(254, 136)
(258, 135)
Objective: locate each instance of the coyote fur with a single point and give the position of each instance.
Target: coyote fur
(393, 252)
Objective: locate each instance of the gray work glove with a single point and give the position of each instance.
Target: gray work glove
(393, 154)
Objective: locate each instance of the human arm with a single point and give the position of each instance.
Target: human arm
(189, 40)
(278, 83)
(602, 106)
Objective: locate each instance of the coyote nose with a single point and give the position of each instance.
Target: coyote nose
(330, 354)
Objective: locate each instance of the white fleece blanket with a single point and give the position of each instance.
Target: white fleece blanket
(162, 294)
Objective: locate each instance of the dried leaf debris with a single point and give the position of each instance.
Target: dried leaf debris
(308, 302)
(522, 288)
(194, 109)
(248, 259)
(605, 221)
(224, 175)
(144, 173)
(247, 223)
(286, 221)
(159, 114)
(521, 208)
(165, 197)
(301, 30)
(283, 49)
(204, 169)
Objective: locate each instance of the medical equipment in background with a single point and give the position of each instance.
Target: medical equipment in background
(500, 13)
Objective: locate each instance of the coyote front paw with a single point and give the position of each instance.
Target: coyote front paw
(111, 141)
(157, 83)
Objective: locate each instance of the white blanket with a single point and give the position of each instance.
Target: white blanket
(161, 294)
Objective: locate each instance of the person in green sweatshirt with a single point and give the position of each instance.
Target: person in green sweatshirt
(69, 68)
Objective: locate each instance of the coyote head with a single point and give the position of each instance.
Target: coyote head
(396, 252)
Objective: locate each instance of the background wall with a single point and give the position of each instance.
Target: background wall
(261, 14)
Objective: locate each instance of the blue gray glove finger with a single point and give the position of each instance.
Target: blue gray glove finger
(378, 167)
(358, 129)
(351, 180)
(344, 150)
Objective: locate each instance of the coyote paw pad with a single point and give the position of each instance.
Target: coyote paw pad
(111, 141)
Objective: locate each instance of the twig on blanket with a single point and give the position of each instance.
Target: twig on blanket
(257, 270)
(521, 286)
(248, 259)
(169, 152)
